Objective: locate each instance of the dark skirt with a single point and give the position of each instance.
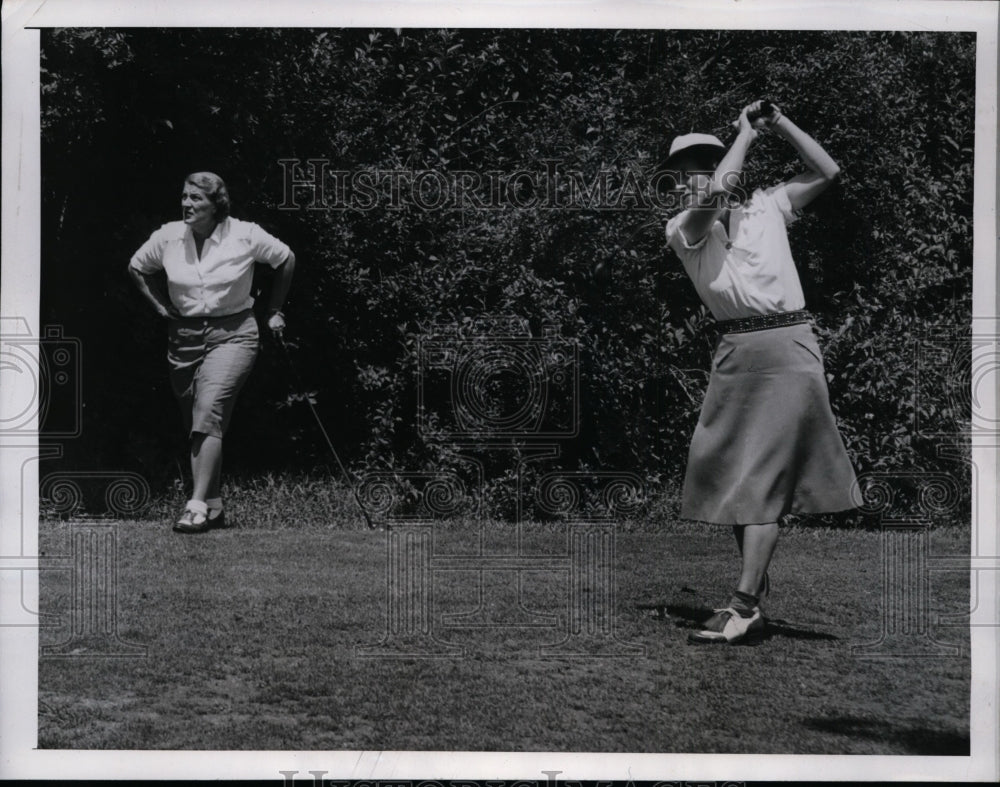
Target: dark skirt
(210, 359)
(766, 443)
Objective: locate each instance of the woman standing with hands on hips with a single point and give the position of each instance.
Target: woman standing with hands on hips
(208, 260)
(766, 443)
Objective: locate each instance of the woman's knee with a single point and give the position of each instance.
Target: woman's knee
(198, 439)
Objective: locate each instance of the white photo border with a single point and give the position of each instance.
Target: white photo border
(20, 292)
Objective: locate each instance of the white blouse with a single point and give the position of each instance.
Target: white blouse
(750, 270)
(219, 282)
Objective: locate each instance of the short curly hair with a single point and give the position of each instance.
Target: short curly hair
(214, 188)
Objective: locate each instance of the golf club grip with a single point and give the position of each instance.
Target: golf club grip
(766, 108)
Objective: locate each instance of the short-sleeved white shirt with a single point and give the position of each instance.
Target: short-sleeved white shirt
(750, 271)
(219, 283)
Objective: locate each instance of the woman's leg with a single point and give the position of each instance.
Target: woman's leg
(743, 616)
(209, 368)
(756, 543)
(206, 465)
(215, 485)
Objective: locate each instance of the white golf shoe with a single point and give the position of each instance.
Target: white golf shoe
(727, 626)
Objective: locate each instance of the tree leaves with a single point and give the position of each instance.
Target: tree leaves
(885, 256)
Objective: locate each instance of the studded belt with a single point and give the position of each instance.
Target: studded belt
(762, 322)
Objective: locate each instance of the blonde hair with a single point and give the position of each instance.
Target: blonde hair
(214, 188)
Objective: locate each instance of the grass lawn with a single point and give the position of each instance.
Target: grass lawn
(252, 640)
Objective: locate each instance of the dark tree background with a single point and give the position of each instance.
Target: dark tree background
(885, 256)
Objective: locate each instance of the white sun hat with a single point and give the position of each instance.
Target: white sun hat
(693, 143)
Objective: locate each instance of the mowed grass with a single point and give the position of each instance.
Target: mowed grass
(252, 640)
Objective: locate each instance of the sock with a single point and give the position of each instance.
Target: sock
(198, 506)
(744, 603)
(214, 507)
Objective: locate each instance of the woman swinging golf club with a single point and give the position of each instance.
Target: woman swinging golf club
(766, 443)
(208, 258)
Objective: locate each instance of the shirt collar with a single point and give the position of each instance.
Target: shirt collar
(221, 230)
(756, 203)
(218, 234)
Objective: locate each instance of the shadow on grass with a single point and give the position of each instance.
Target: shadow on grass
(917, 740)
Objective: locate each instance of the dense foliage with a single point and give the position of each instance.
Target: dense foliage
(885, 256)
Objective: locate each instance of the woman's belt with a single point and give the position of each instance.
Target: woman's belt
(762, 322)
(215, 317)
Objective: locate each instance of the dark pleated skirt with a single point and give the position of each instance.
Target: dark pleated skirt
(766, 443)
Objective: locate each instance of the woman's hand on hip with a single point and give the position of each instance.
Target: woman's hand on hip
(168, 311)
(276, 322)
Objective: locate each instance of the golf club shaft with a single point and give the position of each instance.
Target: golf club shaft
(322, 429)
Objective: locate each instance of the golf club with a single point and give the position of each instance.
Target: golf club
(301, 391)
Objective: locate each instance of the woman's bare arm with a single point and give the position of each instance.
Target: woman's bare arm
(151, 287)
(822, 169)
(710, 192)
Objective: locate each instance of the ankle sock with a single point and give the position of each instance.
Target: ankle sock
(198, 506)
(744, 603)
